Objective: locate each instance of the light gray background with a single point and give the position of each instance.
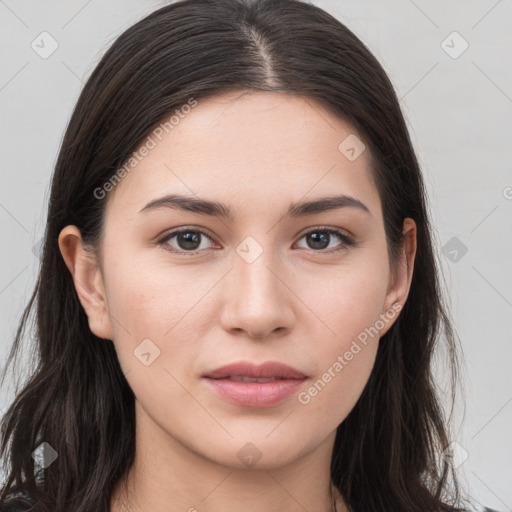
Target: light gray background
(459, 115)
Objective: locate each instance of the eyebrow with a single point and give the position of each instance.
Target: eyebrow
(215, 209)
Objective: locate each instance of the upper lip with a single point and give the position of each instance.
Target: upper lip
(267, 370)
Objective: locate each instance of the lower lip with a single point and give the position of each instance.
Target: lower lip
(255, 394)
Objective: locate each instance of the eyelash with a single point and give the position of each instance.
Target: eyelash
(346, 240)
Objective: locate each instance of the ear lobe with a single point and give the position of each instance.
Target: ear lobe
(401, 278)
(86, 273)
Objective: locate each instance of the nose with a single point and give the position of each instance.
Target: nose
(258, 300)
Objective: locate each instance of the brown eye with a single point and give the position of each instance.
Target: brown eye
(320, 238)
(187, 240)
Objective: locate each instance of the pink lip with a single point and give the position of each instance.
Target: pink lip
(248, 369)
(255, 394)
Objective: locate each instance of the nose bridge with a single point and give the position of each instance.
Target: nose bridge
(257, 297)
(253, 264)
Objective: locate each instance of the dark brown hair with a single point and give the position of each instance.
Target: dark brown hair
(387, 451)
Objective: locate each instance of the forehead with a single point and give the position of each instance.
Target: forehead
(249, 148)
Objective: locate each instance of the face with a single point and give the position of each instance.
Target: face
(309, 287)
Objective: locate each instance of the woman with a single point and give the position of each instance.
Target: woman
(238, 302)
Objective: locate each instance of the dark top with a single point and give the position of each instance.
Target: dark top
(17, 505)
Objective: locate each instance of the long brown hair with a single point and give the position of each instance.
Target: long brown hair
(387, 452)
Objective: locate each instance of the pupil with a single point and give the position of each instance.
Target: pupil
(189, 240)
(317, 238)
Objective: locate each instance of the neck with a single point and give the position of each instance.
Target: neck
(168, 476)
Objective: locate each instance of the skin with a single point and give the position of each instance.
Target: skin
(297, 304)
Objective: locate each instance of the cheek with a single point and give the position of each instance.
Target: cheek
(348, 298)
(345, 359)
(147, 297)
(160, 316)
(349, 305)
(148, 308)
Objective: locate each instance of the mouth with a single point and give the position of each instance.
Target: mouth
(249, 385)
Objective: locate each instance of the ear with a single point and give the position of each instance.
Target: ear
(401, 277)
(88, 281)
